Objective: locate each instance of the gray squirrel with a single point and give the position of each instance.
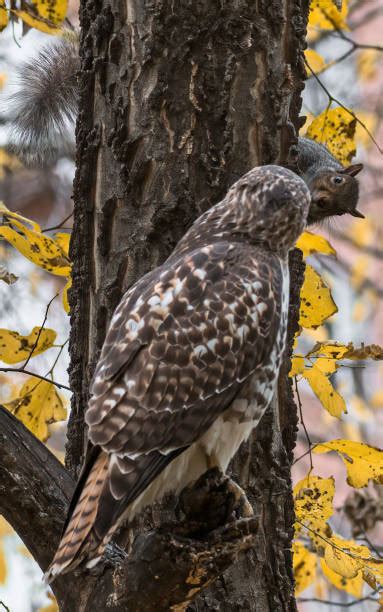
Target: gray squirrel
(334, 188)
(44, 110)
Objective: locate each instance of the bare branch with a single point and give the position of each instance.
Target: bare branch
(329, 602)
(39, 333)
(22, 371)
(60, 225)
(331, 99)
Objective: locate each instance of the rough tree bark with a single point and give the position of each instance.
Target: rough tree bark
(178, 99)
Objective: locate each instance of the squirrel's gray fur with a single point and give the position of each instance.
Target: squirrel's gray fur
(334, 188)
(46, 105)
(43, 111)
(314, 157)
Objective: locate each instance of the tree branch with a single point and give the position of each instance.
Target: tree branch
(35, 490)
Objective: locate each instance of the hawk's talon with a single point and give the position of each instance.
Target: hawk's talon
(241, 505)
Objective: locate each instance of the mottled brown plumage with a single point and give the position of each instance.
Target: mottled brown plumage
(190, 360)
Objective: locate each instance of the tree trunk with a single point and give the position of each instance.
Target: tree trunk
(178, 99)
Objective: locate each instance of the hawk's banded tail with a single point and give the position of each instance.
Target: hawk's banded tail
(79, 537)
(103, 497)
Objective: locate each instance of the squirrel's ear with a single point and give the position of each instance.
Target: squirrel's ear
(353, 170)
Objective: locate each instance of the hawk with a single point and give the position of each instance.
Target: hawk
(190, 360)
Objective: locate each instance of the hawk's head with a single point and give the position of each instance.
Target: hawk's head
(270, 205)
(267, 206)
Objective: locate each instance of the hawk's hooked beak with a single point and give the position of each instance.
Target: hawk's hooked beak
(356, 213)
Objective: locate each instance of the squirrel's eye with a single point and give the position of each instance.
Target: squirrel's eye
(337, 180)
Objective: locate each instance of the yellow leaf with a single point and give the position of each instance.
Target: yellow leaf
(65, 295)
(313, 499)
(53, 11)
(373, 573)
(367, 63)
(3, 565)
(15, 348)
(315, 61)
(332, 350)
(304, 565)
(317, 304)
(34, 21)
(310, 243)
(324, 15)
(345, 557)
(4, 15)
(51, 607)
(63, 239)
(363, 462)
(35, 246)
(352, 586)
(316, 376)
(37, 406)
(8, 214)
(335, 128)
(297, 365)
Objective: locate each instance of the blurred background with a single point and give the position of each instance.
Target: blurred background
(352, 74)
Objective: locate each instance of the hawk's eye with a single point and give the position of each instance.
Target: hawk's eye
(337, 180)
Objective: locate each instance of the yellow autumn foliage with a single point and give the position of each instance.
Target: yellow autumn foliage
(310, 243)
(52, 10)
(38, 404)
(39, 23)
(26, 236)
(345, 557)
(352, 586)
(325, 15)
(313, 498)
(335, 128)
(331, 350)
(363, 462)
(317, 376)
(65, 295)
(304, 566)
(15, 348)
(317, 304)
(315, 61)
(4, 15)
(297, 365)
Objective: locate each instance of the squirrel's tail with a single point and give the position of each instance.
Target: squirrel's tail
(44, 108)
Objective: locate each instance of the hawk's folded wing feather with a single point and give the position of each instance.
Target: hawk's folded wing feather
(174, 356)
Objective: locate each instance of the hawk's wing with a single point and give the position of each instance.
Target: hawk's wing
(174, 356)
(178, 349)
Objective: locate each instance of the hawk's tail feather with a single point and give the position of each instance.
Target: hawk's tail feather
(78, 540)
(105, 492)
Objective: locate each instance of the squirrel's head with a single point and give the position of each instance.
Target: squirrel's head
(334, 192)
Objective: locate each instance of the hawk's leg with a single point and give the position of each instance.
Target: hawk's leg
(213, 501)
